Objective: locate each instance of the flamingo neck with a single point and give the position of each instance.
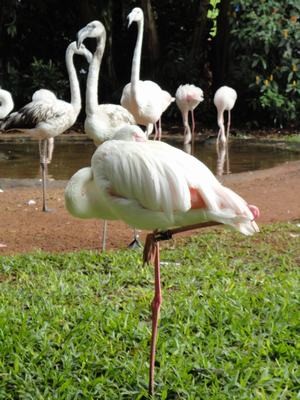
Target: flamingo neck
(136, 61)
(74, 83)
(93, 77)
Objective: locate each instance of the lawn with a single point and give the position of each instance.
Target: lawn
(77, 325)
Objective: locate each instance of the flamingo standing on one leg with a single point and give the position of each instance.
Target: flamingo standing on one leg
(46, 116)
(152, 185)
(144, 99)
(6, 103)
(224, 100)
(102, 121)
(187, 99)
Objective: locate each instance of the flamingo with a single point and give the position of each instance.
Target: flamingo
(46, 116)
(152, 185)
(187, 99)
(144, 99)
(6, 103)
(103, 121)
(224, 100)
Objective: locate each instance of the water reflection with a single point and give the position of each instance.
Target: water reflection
(222, 159)
(21, 160)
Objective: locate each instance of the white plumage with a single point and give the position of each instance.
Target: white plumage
(224, 100)
(6, 103)
(187, 99)
(144, 99)
(46, 116)
(102, 121)
(152, 185)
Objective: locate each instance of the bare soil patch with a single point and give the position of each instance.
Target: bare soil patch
(25, 228)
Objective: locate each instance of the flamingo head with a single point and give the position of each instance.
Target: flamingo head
(94, 29)
(135, 15)
(81, 50)
(130, 133)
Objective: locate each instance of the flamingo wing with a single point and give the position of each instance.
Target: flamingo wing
(141, 173)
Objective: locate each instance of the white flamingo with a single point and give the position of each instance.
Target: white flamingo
(6, 103)
(152, 185)
(188, 98)
(224, 100)
(46, 116)
(102, 121)
(144, 99)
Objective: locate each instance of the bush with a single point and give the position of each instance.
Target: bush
(265, 39)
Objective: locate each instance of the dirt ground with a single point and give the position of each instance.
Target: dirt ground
(25, 228)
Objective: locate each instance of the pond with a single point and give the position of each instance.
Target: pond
(20, 160)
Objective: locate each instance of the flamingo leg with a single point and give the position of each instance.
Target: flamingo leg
(104, 235)
(159, 129)
(228, 124)
(43, 163)
(156, 303)
(135, 242)
(193, 131)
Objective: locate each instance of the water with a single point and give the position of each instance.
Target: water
(21, 160)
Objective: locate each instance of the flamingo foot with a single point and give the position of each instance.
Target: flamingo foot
(135, 244)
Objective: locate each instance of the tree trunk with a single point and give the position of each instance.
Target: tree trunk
(200, 29)
(220, 61)
(151, 37)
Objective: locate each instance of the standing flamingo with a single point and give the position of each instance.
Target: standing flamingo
(102, 121)
(224, 100)
(187, 99)
(6, 103)
(152, 185)
(46, 116)
(144, 99)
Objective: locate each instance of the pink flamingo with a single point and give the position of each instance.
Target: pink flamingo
(188, 98)
(224, 99)
(152, 185)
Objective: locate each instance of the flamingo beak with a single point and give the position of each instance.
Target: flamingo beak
(81, 35)
(130, 19)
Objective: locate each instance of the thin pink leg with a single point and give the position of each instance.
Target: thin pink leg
(156, 302)
(193, 122)
(228, 124)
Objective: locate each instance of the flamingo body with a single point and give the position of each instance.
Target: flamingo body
(187, 99)
(152, 185)
(144, 99)
(224, 100)
(46, 117)
(6, 103)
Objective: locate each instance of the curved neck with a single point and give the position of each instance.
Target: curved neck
(91, 101)
(73, 79)
(136, 61)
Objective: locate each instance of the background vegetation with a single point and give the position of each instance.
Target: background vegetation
(252, 46)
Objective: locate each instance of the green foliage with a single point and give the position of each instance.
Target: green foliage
(212, 14)
(49, 75)
(77, 326)
(265, 39)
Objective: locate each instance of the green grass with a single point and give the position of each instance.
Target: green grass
(77, 326)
